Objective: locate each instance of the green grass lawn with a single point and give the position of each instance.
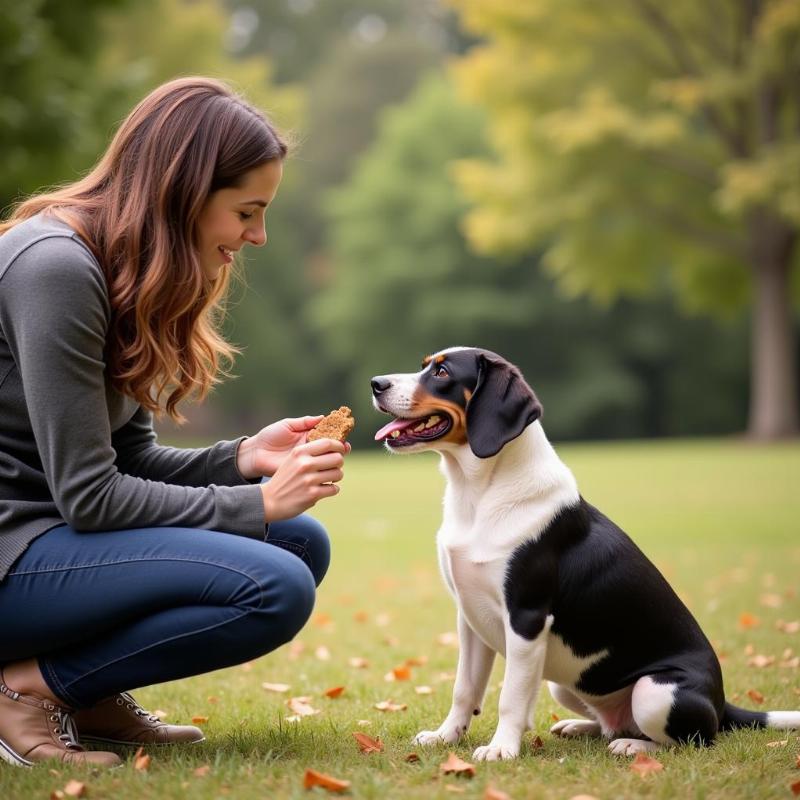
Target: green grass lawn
(719, 518)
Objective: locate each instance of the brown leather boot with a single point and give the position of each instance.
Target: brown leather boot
(120, 720)
(34, 729)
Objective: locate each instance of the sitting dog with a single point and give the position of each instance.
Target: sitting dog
(545, 579)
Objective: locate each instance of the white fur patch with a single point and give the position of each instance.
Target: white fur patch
(783, 720)
(651, 703)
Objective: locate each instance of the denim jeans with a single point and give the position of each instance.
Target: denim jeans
(112, 611)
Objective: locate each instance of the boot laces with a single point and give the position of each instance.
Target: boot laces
(66, 730)
(137, 709)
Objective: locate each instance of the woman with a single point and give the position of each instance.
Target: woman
(124, 563)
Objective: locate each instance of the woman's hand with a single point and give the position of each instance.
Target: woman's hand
(307, 474)
(262, 454)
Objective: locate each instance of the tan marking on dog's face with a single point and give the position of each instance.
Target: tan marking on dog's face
(426, 404)
(427, 360)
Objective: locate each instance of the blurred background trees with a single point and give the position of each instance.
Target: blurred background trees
(607, 195)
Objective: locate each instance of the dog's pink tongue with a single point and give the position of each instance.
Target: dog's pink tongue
(394, 425)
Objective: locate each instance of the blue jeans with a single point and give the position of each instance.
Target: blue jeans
(112, 611)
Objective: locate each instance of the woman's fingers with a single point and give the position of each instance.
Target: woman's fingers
(329, 476)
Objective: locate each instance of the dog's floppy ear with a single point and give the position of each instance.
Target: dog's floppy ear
(501, 407)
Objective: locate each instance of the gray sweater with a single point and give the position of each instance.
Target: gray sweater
(72, 449)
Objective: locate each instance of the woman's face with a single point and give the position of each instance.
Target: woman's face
(235, 216)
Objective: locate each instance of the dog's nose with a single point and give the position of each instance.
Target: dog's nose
(380, 384)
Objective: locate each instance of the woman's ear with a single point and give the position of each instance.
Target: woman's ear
(501, 407)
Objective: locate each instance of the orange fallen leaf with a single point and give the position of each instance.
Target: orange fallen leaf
(456, 766)
(644, 765)
(361, 616)
(389, 705)
(201, 772)
(413, 758)
(795, 787)
(213, 700)
(555, 717)
(334, 692)
(495, 794)
(199, 720)
(366, 744)
(276, 687)
(322, 620)
(755, 696)
(417, 661)
(402, 673)
(141, 760)
(75, 789)
(314, 778)
(57, 794)
(747, 620)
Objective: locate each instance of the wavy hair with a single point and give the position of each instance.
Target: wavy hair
(138, 211)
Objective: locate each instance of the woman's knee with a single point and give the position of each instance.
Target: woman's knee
(306, 538)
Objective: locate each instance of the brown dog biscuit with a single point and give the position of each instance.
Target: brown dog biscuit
(336, 425)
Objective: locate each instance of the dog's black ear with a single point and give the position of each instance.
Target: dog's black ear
(501, 407)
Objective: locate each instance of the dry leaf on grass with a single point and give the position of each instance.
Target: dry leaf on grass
(413, 758)
(456, 766)
(423, 689)
(322, 653)
(417, 661)
(755, 696)
(361, 616)
(75, 789)
(644, 765)
(141, 760)
(760, 661)
(788, 627)
(449, 639)
(314, 778)
(795, 787)
(276, 687)
(771, 600)
(389, 705)
(537, 743)
(322, 620)
(201, 772)
(199, 719)
(357, 662)
(495, 794)
(747, 620)
(780, 743)
(366, 744)
(302, 706)
(451, 787)
(334, 692)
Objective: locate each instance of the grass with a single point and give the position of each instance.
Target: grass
(719, 518)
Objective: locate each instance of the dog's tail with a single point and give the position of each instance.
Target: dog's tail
(734, 717)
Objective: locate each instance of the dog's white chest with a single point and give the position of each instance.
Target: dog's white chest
(478, 589)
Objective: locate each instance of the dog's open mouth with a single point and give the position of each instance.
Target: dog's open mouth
(403, 432)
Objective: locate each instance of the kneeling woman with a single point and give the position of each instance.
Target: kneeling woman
(124, 563)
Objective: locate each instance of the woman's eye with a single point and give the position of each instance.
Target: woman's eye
(244, 216)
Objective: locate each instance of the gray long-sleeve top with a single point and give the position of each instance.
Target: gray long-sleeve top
(73, 449)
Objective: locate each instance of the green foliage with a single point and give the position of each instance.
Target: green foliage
(634, 139)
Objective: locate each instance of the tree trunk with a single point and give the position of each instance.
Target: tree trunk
(774, 397)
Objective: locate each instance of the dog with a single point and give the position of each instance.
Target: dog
(545, 579)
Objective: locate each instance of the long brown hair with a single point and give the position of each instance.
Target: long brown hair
(138, 210)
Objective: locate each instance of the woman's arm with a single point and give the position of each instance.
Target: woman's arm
(54, 313)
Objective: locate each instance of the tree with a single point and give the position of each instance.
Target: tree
(637, 138)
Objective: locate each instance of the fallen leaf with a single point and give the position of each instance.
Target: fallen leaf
(760, 661)
(141, 760)
(276, 687)
(417, 661)
(644, 765)
(449, 639)
(358, 663)
(537, 743)
(322, 653)
(366, 744)
(294, 718)
(555, 717)
(779, 743)
(423, 689)
(495, 794)
(456, 766)
(334, 692)
(755, 696)
(314, 778)
(389, 705)
(402, 673)
(213, 700)
(747, 620)
(361, 616)
(363, 722)
(771, 600)
(75, 789)
(296, 649)
(322, 620)
(201, 772)
(302, 707)
(788, 627)
(450, 787)
(57, 794)
(413, 758)
(382, 620)
(199, 720)
(795, 787)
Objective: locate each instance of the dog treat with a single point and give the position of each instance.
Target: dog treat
(337, 425)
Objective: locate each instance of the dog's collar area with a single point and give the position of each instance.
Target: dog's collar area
(400, 432)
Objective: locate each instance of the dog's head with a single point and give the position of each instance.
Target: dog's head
(461, 396)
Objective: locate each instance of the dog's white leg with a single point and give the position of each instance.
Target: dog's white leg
(475, 661)
(573, 727)
(523, 676)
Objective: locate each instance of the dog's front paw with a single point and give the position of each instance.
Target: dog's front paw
(496, 751)
(445, 734)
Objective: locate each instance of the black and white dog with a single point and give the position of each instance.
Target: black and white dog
(545, 579)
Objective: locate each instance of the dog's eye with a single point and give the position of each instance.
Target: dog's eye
(440, 372)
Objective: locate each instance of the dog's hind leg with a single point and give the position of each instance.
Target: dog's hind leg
(573, 727)
(668, 711)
